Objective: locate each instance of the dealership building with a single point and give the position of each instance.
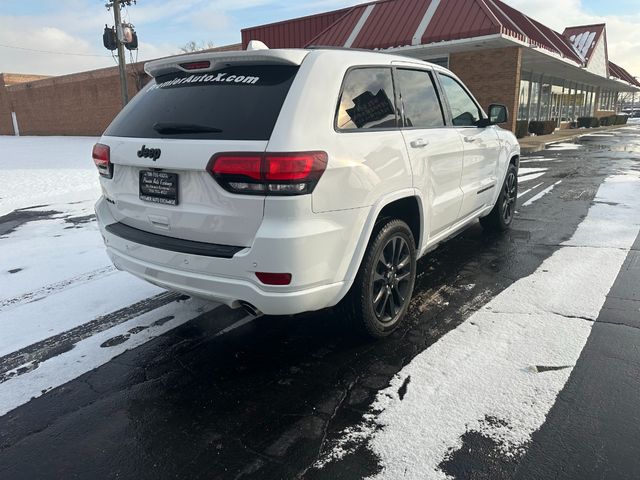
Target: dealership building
(501, 54)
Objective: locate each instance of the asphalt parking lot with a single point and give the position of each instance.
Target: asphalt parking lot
(519, 359)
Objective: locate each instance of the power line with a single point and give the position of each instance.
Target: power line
(54, 53)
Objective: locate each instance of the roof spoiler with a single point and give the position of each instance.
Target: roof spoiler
(215, 60)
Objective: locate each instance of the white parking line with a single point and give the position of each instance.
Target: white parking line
(528, 178)
(541, 194)
(522, 194)
(483, 375)
(541, 159)
(524, 171)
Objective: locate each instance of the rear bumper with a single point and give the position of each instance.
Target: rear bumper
(316, 258)
(228, 290)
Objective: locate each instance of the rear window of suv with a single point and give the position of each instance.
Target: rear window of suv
(235, 103)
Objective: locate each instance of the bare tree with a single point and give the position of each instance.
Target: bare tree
(194, 46)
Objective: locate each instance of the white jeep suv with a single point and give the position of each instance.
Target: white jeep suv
(286, 181)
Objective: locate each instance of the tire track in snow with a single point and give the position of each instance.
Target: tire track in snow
(42, 292)
(102, 347)
(29, 358)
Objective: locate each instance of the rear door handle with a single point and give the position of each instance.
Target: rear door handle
(470, 139)
(419, 143)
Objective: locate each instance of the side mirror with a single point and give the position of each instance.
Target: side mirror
(498, 114)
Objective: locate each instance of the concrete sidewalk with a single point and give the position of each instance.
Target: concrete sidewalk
(538, 143)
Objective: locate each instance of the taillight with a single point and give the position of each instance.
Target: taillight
(102, 159)
(268, 173)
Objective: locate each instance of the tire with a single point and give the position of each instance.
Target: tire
(501, 217)
(381, 292)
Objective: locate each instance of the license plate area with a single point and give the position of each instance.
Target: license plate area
(159, 187)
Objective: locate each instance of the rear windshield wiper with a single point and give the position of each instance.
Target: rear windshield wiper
(169, 128)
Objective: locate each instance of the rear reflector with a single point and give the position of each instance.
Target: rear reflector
(102, 158)
(291, 173)
(196, 65)
(274, 278)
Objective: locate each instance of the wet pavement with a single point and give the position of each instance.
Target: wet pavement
(222, 397)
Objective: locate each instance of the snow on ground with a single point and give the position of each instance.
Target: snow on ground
(91, 353)
(564, 146)
(54, 272)
(484, 376)
(42, 170)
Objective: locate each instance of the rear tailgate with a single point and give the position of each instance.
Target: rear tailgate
(204, 211)
(166, 136)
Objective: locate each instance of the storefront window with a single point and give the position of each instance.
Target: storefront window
(578, 103)
(523, 102)
(589, 110)
(545, 101)
(607, 100)
(569, 93)
(534, 97)
(557, 97)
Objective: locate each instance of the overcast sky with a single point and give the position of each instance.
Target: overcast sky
(75, 26)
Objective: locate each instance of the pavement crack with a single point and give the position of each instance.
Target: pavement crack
(325, 429)
(542, 312)
(619, 324)
(578, 317)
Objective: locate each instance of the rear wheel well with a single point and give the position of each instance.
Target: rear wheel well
(406, 209)
(515, 160)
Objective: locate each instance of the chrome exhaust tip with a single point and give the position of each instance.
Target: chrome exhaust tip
(250, 309)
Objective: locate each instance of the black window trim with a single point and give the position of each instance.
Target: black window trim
(365, 130)
(440, 92)
(464, 87)
(446, 116)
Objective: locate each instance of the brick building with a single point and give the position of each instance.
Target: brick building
(76, 104)
(503, 55)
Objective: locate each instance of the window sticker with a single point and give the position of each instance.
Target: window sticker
(215, 78)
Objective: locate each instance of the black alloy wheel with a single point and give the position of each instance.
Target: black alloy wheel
(501, 216)
(391, 279)
(509, 196)
(381, 292)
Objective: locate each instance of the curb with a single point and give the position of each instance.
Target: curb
(525, 149)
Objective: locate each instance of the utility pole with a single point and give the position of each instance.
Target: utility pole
(124, 92)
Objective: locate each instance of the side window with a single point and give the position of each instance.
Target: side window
(367, 100)
(420, 102)
(464, 110)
